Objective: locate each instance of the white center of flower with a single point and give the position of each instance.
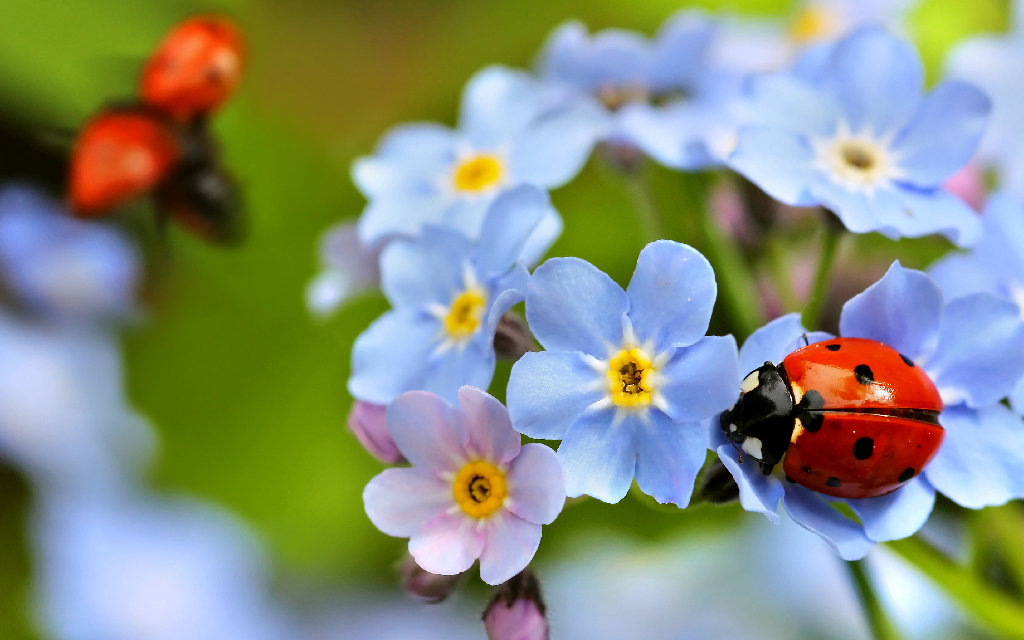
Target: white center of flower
(860, 162)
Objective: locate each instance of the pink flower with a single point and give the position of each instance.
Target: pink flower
(368, 422)
(517, 610)
(473, 491)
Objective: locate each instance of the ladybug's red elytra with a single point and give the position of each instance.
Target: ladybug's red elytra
(848, 417)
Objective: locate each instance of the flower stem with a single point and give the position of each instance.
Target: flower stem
(881, 627)
(830, 236)
(644, 204)
(990, 607)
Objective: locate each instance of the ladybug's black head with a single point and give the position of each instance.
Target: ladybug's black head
(761, 421)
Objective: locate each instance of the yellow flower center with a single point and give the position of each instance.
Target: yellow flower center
(479, 489)
(466, 314)
(813, 23)
(630, 376)
(479, 173)
(858, 157)
(616, 96)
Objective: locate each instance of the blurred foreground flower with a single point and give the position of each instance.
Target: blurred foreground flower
(970, 348)
(848, 129)
(627, 375)
(348, 269)
(473, 491)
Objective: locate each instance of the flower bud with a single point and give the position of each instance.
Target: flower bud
(368, 423)
(427, 587)
(517, 610)
(968, 184)
(512, 338)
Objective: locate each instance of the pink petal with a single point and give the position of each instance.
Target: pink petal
(369, 424)
(489, 432)
(448, 544)
(400, 502)
(536, 485)
(511, 543)
(522, 621)
(427, 430)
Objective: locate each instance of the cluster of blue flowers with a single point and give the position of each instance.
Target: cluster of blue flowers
(627, 379)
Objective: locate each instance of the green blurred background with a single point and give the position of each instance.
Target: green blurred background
(245, 389)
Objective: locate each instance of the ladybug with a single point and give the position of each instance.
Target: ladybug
(847, 417)
(161, 146)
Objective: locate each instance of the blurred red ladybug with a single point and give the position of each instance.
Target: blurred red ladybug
(195, 69)
(162, 146)
(853, 418)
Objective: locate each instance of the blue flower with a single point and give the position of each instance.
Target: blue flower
(993, 63)
(447, 296)
(348, 268)
(61, 267)
(970, 347)
(513, 130)
(627, 375)
(667, 97)
(848, 129)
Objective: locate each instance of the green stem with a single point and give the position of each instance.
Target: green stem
(644, 204)
(988, 606)
(1005, 525)
(778, 265)
(881, 627)
(830, 236)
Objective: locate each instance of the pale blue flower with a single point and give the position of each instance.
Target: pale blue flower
(970, 347)
(348, 268)
(447, 295)
(628, 375)
(849, 129)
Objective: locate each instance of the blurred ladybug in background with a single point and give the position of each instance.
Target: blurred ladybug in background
(852, 418)
(161, 145)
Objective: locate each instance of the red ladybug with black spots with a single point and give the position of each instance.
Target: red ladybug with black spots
(161, 145)
(847, 417)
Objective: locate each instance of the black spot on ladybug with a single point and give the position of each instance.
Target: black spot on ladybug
(806, 469)
(812, 420)
(907, 474)
(863, 373)
(833, 347)
(833, 482)
(906, 360)
(812, 400)
(863, 448)
(790, 480)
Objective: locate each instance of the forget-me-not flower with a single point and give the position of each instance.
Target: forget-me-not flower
(993, 62)
(970, 347)
(664, 94)
(848, 129)
(447, 295)
(513, 130)
(628, 375)
(348, 268)
(473, 491)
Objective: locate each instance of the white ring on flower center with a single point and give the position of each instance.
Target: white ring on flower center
(857, 161)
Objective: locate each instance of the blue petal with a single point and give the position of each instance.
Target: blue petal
(944, 133)
(855, 208)
(896, 515)
(909, 212)
(508, 291)
(498, 103)
(758, 493)
(768, 343)
(981, 463)
(392, 355)
(425, 271)
(466, 214)
(960, 274)
(701, 380)
(1017, 397)
(544, 235)
(689, 135)
(878, 78)
(782, 100)
(507, 226)
(777, 161)
(573, 306)
(1002, 247)
(612, 56)
(902, 310)
(978, 357)
(598, 456)
(405, 153)
(553, 149)
(459, 367)
(400, 215)
(671, 295)
(813, 512)
(548, 391)
(681, 49)
(669, 455)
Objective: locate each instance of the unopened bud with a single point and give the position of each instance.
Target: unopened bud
(427, 587)
(369, 424)
(717, 485)
(512, 338)
(517, 610)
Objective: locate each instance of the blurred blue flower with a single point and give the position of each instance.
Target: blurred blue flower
(628, 375)
(665, 95)
(970, 347)
(143, 569)
(61, 267)
(992, 62)
(473, 491)
(513, 130)
(447, 296)
(848, 129)
(348, 268)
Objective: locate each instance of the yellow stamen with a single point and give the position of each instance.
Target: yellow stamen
(478, 173)
(479, 489)
(630, 378)
(466, 314)
(813, 23)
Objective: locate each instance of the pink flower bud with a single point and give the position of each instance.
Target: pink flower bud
(368, 423)
(517, 611)
(430, 588)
